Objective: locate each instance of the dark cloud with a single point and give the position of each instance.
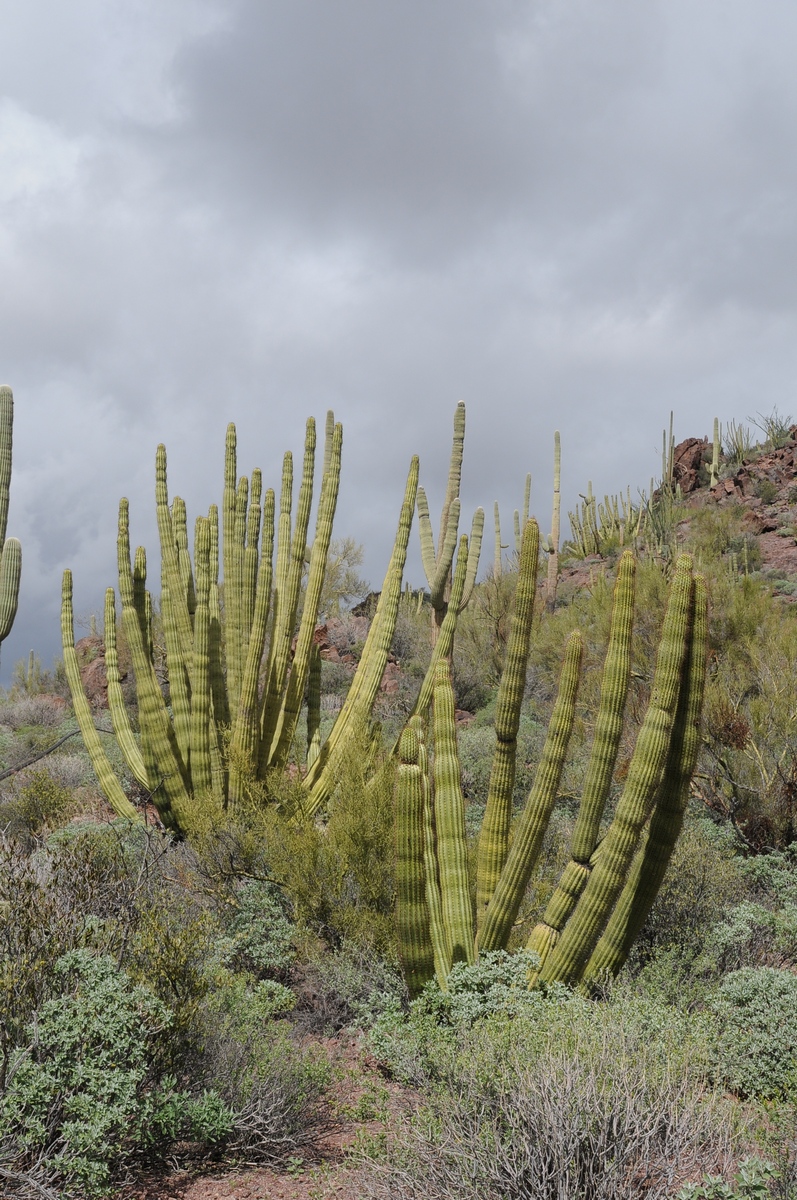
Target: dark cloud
(570, 215)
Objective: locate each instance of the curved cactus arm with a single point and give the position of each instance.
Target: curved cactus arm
(494, 837)
(412, 913)
(439, 581)
(427, 537)
(10, 574)
(161, 755)
(364, 687)
(607, 878)
(454, 478)
(119, 719)
(449, 811)
(297, 681)
(170, 564)
(111, 787)
(474, 554)
(659, 840)
(445, 641)
(533, 821)
(605, 746)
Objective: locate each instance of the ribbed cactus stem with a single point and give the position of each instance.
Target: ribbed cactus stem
(412, 913)
(497, 547)
(314, 707)
(533, 821)
(120, 720)
(608, 876)
(362, 693)
(11, 554)
(449, 808)
(201, 709)
(494, 838)
(553, 557)
(605, 746)
(715, 454)
(170, 563)
(111, 787)
(659, 840)
(445, 642)
(312, 598)
(474, 553)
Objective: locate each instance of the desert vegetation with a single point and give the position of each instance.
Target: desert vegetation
(497, 875)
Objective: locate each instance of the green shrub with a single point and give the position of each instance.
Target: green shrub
(259, 937)
(767, 491)
(755, 1037)
(751, 1182)
(349, 987)
(76, 1096)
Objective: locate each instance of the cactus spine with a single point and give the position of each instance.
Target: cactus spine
(11, 553)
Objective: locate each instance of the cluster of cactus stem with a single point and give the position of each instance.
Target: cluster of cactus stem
(610, 882)
(238, 667)
(437, 562)
(11, 553)
(596, 526)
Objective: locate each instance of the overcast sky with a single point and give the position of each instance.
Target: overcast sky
(568, 214)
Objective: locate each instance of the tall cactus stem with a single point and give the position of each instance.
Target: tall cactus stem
(608, 876)
(116, 705)
(553, 557)
(533, 821)
(412, 913)
(449, 807)
(494, 838)
(111, 787)
(658, 842)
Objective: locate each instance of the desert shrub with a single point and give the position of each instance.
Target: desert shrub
(76, 1096)
(750, 1182)
(36, 801)
(767, 491)
(46, 711)
(259, 936)
(271, 1084)
(350, 987)
(593, 1114)
(755, 1037)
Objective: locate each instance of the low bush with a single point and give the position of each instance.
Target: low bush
(754, 1044)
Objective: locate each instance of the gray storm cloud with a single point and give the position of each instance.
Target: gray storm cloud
(569, 215)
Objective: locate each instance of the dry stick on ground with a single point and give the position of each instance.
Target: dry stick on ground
(28, 1181)
(43, 753)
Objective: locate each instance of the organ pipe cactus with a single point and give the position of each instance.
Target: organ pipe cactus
(232, 709)
(11, 554)
(437, 563)
(553, 541)
(606, 890)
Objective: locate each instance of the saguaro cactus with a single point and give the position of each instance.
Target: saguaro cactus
(228, 722)
(11, 555)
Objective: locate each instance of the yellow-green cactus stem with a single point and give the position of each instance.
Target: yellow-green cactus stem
(170, 564)
(659, 839)
(580, 936)
(116, 705)
(314, 707)
(553, 557)
(200, 719)
(449, 810)
(11, 556)
(494, 837)
(111, 787)
(533, 821)
(412, 913)
(605, 746)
